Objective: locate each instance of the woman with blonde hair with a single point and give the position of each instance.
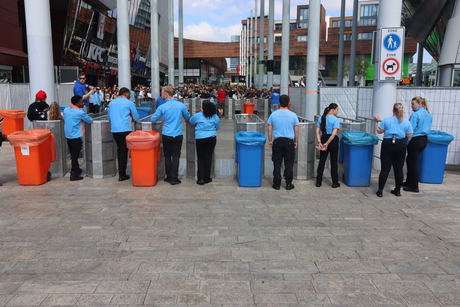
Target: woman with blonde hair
(421, 121)
(396, 130)
(54, 111)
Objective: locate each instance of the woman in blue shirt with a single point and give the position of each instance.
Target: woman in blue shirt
(206, 124)
(421, 121)
(396, 130)
(328, 142)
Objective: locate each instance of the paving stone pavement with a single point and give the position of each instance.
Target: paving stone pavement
(100, 242)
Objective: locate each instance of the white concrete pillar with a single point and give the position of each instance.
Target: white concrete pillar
(449, 51)
(271, 30)
(181, 44)
(124, 62)
(284, 90)
(171, 42)
(154, 50)
(40, 49)
(314, 13)
(260, 86)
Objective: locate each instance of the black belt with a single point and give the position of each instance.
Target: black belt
(284, 139)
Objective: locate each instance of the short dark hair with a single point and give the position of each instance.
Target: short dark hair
(81, 74)
(123, 91)
(75, 99)
(284, 101)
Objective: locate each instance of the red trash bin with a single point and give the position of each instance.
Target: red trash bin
(14, 121)
(145, 155)
(34, 151)
(248, 107)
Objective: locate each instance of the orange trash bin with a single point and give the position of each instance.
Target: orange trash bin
(145, 155)
(248, 107)
(14, 121)
(34, 151)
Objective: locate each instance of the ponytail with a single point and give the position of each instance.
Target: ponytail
(332, 106)
(398, 111)
(422, 101)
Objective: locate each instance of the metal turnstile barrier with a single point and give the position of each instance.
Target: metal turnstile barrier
(141, 124)
(100, 149)
(59, 167)
(249, 122)
(304, 165)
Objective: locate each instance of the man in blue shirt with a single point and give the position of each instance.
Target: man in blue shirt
(283, 135)
(84, 90)
(171, 112)
(275, 100)
(74, 117)
(121, 113)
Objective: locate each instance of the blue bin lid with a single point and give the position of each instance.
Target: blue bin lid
(359, 138)
(439, 137)
(251, 138)
(145, 109)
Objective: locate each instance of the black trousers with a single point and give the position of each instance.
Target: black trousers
(392, 155)
(333, 150)
(204, 151)
(283, 149)
(120, 139)
(75, 146)
(94, 108)
(171, 149)
(416, 145)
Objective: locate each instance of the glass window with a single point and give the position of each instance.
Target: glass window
(368, 10)
(368, 21)
(279, 26)
(303, 25)
(456, 78)
(302, 38)
(303, 14)
(365, 35)
(293, 26)
(277, 39)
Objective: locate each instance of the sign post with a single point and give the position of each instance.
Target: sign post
(391, 54)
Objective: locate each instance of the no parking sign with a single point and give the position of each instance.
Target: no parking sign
(391, 54)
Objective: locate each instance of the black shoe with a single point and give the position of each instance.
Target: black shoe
(200, 182)
(75, 178)
(318, 183)
(276, 186)
(379, 193)
(289, 186)
(175, 181)
(123, 177)
(335, 185)
(208, 180)
(409, 189)
(404, 184)
(167, 179)
(48, 176)
(395, 193)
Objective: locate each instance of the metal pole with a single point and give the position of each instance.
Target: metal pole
(255, 44)
(124, 70)
(314, 13)
(171, 42)
(354, 35)
(40, 46)
(419, 77)
(154, 50)
(284, 88)
(271, 30)
(261, 44)
(181, 43)
(342, 32)
(251, 51)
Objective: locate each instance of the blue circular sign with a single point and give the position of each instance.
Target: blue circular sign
(391, 42)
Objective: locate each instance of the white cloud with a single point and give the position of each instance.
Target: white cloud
(207, 32)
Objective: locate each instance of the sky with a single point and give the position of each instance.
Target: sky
(218, 20)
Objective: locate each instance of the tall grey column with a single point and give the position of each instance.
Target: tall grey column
(40, 48)
(342, 32)
(384, 95)
(271, 30)
(171, 42)
(154, 50)
(251, 51)
(124, 70)
(314, 13)
(354, 34)
(448, 56)
(255, 43)
(284, 90)
(419, 76)
(181, 43)
(261, 44)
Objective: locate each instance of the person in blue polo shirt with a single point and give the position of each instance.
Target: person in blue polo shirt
(283, 135)
(328, 124)
(206, 124)
(84, 90)
(122, 111)
(421, 121)
(171, 112)
(275, 100)
(74, 117)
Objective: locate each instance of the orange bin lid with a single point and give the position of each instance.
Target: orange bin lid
(13, 113)
(248, 103)
(32, 137)
(142, 139)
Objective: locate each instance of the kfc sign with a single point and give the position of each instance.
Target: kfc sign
(95, 53)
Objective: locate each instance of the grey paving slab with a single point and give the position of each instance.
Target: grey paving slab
(100, 242)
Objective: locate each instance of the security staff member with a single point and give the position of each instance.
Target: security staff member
(395, 131)
(283, 135)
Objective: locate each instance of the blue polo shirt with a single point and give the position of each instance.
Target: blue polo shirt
(275, 97)
(205, 127)
(421, 122)
(332, 122)
(81, 90)
(171, 113)
(73, 117)
(392, 127)
(283, 122)
(121, 112)
(95, 99)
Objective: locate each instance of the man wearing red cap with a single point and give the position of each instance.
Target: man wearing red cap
(38, 110)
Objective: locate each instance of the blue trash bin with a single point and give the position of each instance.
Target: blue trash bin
(432, 160)
(356, 156)
(249, 151)
(144, 112)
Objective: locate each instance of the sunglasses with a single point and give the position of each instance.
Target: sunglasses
(82, 78)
